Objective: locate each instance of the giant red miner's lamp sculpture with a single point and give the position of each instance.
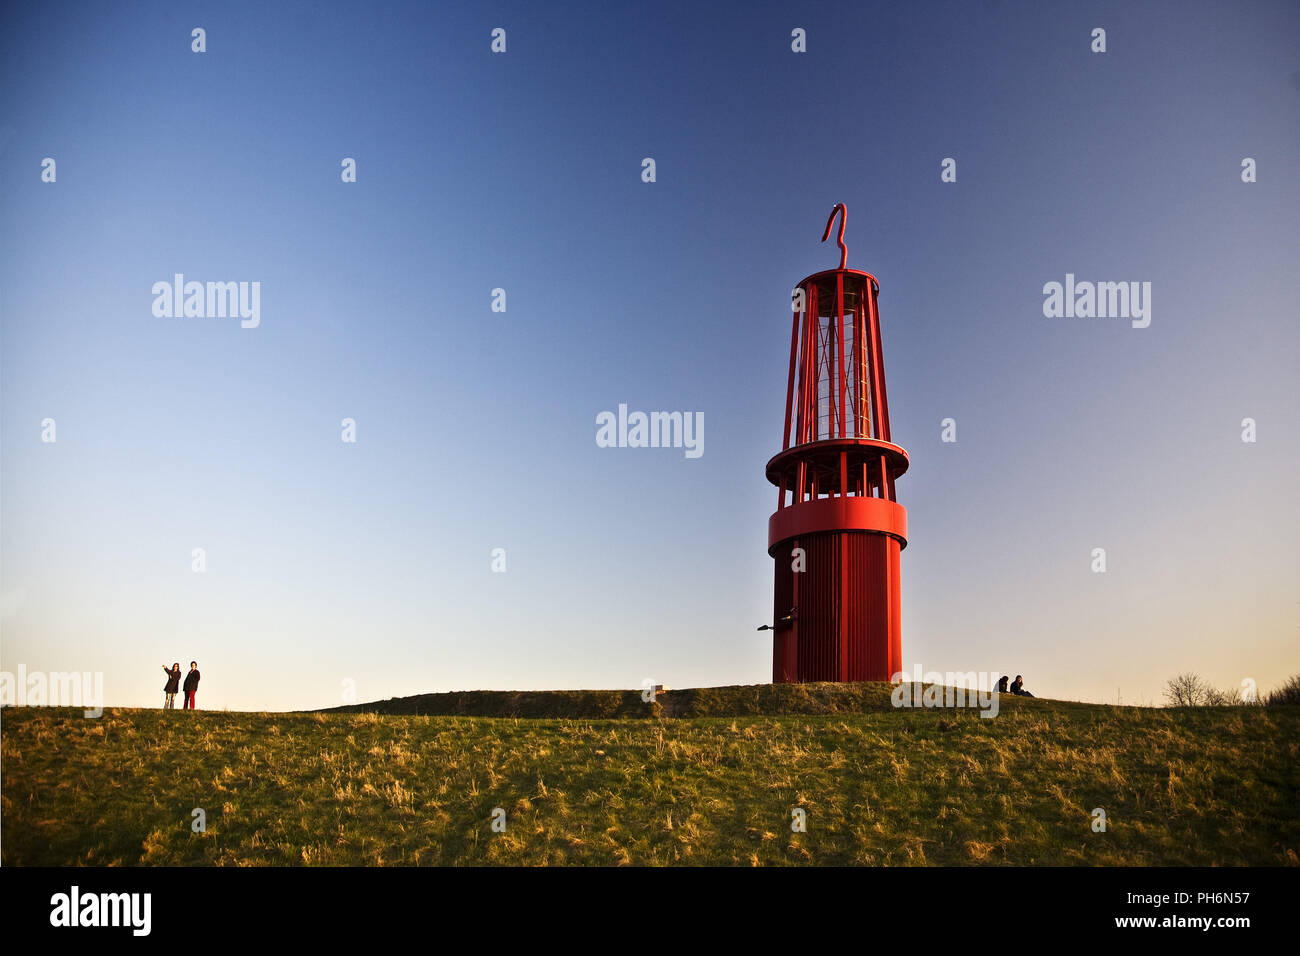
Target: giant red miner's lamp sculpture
(837, 532)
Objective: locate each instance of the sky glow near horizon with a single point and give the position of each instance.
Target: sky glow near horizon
(371, 561)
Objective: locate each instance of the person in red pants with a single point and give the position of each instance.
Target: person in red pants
(191, 685)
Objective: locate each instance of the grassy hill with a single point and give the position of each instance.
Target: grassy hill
(706, 776)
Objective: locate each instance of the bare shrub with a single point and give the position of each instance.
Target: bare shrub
(1288, 695)
(1188, 690)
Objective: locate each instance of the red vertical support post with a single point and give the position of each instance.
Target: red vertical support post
(878, 361)
(801, 402)
(829, 352)
(808, 400)
(794, 352)
(839, 325)
(873, 340)
(860, 430)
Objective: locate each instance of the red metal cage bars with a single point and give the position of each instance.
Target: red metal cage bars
(836, 390)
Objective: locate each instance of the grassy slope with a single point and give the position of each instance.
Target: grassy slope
(880, 786)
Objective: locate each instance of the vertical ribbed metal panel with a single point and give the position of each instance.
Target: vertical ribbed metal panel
(873, 611)
(818, 633)
(854, 634)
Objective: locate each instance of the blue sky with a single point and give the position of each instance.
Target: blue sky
(371, 561)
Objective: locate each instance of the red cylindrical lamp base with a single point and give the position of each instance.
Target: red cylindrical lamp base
(846, 624)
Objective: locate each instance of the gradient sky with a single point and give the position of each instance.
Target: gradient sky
(370, 562)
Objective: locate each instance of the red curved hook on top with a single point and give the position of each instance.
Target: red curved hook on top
(843, 210)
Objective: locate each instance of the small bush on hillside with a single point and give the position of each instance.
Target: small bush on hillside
(1286, 695)
(1188, 690)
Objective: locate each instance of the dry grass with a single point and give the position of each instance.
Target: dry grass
(1179, 787)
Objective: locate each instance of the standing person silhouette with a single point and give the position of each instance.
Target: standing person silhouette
(191, 685)
(173, 684)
